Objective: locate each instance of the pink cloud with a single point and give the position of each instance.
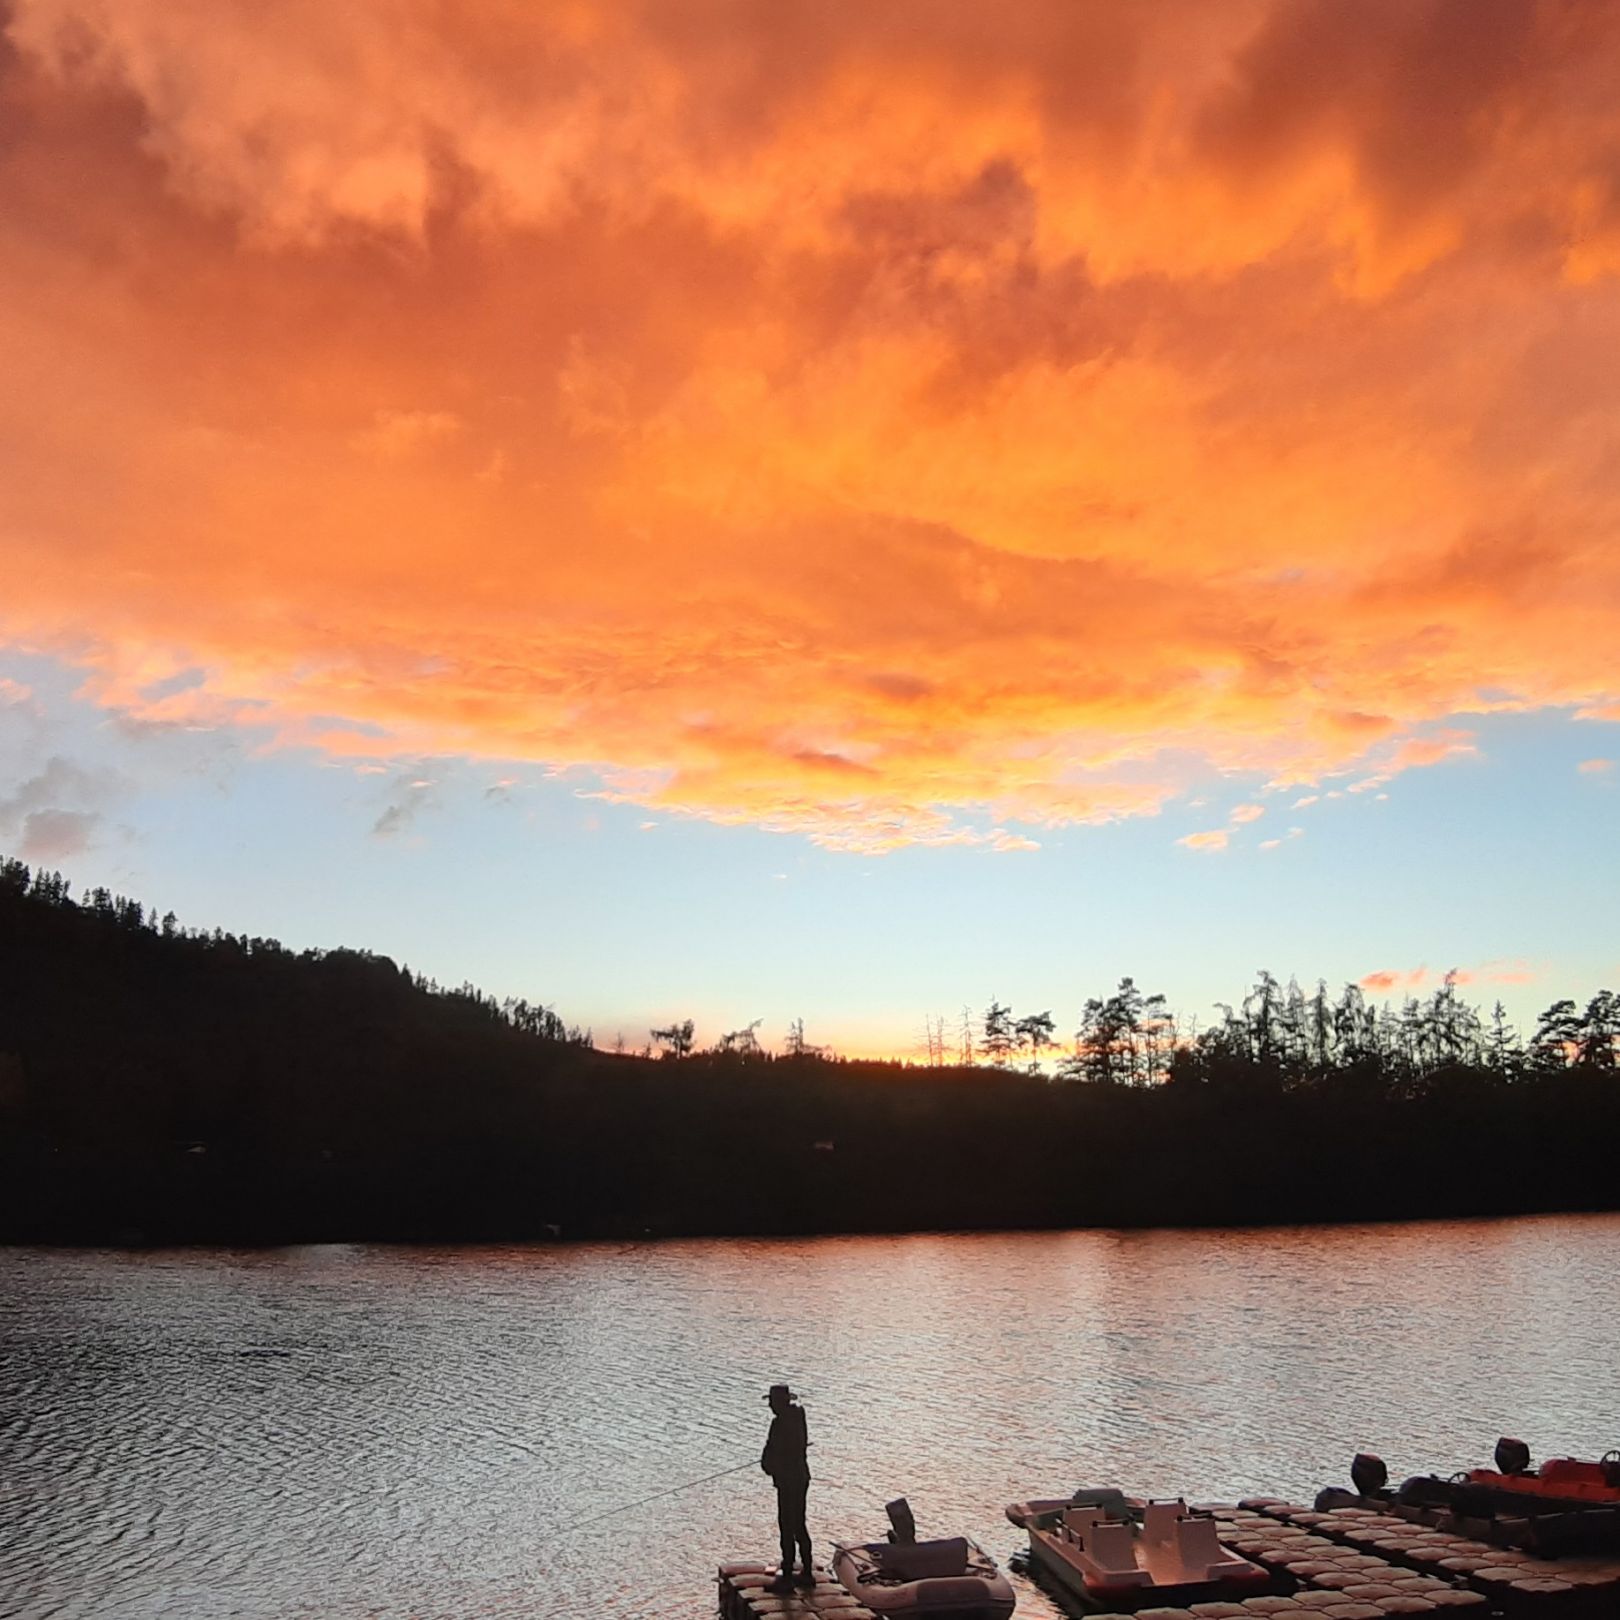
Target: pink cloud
(1386, 979)
(1499, 971)
(1415, 752)
(1596, 767)
(1507, 972)
(1445, 745)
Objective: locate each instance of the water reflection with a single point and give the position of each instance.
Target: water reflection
(345, 1432)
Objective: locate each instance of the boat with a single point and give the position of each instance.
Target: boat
(1512, 1488)
(1565, 1506)
(1558, 1485)
(949, 1579)
(1115, 1553)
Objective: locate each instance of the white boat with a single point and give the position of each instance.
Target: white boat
(1115, 1554)
(953, 1579)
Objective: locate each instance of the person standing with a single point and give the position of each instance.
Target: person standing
(785, 1459)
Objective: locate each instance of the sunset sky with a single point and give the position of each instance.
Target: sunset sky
(822, 508)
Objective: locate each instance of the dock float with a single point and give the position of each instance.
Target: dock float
(1344, 1563)
(743, 1596)
(1352, 1563)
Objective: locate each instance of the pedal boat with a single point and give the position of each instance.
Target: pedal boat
(953, 1579)
(1103, 1553)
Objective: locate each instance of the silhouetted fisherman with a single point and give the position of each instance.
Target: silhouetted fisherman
(785, 1459)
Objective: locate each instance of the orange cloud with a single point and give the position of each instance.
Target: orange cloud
(1415, 751)
(1212, 841)
(1386, 980)
(877, 423)
(1587, 767)
(1508, 972)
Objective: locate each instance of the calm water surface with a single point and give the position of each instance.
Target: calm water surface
(351, 1432)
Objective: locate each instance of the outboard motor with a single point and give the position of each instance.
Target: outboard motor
(900, 1516)
(1512, 1456)
(1368, 1474)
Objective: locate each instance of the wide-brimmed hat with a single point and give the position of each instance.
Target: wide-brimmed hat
(779, 1389)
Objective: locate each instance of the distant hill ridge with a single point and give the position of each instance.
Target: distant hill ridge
(160, 1085)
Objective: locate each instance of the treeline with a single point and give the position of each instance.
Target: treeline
(115, 914)
(1280, 1038)
(1277, 1039)
(160, 1084)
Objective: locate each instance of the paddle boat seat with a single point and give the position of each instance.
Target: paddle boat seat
(1199, 1547)
(1110, 1551)
(1080, 1521)
(1159, 1521)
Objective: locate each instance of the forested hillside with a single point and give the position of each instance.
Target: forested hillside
(163, 1085)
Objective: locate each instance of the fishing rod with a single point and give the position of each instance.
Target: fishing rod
(674, 1490)
(657, 1496)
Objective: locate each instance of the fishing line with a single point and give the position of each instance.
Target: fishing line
(624, 1507)
(658, 1496)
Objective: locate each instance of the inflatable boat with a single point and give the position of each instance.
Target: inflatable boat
(1557, 1485)
(1113, 1553)
(1513, 1487)
(1563, 1508)
(953, 1579)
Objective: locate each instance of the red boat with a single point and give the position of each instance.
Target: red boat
(1560, 1482)
(1564, 1507)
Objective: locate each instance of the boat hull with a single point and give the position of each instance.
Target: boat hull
(1047, 1556)
(975, 1589)
(1114, 1552)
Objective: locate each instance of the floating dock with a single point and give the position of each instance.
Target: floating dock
(1348, 1563)
(743, 1596)
(1384, 1563)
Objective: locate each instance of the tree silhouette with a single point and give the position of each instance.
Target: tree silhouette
(1502, 1053)
(799, 1047)
(1109, 1045)
(1035, 1032)
(676, 1040)
(742, 1043)
(1599, 1035)
(1557, 1039)
(999, 1034)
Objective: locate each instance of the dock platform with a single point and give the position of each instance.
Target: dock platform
(1380, 1563)
(1346, 1563)
(743, 1596)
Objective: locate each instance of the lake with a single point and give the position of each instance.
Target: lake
(350, 1432)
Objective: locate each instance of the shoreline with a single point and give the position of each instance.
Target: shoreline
(134, 1241)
